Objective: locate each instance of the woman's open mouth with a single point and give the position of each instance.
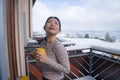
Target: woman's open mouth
(51, 28)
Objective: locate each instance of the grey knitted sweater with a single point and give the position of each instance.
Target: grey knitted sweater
(57, 63)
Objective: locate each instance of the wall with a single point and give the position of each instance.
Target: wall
(3, 54)
(15, 27)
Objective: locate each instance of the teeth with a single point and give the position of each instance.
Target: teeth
(52, 28)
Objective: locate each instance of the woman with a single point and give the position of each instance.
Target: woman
(55, 62)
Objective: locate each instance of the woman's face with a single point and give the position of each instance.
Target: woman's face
(52, 26)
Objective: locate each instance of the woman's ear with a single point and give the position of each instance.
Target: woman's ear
(59, 31)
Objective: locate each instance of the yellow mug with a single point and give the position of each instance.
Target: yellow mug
(40, 51)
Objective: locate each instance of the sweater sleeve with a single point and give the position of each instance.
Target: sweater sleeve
(62, 63)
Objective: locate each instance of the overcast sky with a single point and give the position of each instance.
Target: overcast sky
(83, 15)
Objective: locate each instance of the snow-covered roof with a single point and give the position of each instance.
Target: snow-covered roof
(31, 40)
(77, 47)
(83, 43)
(68, 43)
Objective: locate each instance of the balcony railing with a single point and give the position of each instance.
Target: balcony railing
(93, 62)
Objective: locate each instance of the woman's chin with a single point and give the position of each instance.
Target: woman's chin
(52, 33)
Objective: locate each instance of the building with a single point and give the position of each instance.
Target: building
(15, 28)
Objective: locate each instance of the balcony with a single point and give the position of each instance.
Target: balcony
(87, 62)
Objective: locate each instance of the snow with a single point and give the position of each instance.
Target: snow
(81, 43)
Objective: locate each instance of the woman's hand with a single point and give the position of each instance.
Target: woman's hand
(33, 54)
(41, 58)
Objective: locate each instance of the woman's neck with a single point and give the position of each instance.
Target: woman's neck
(50, 39)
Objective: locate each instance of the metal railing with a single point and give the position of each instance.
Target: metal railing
(98, 62)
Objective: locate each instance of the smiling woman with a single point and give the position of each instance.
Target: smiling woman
(55, 62)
